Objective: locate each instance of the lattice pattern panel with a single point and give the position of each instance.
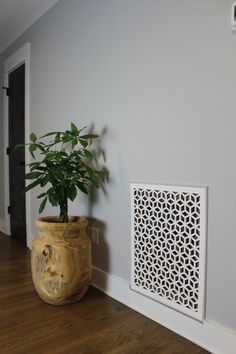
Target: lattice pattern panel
(168, 245)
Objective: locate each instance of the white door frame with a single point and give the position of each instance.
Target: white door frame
(21, 56)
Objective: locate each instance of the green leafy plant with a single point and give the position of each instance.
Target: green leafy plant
(67, 164)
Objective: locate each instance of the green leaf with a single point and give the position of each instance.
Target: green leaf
(52, 199)
(32, 148)
(41, 195)
(72, 192)
(63, 153)
(57, 138)
(74, 129)
(84, 143)
(89, 136)
(33, 137)
(31, 164)
(74, 143)
(44, 180)
(32, 185)
(17, 146)
(42, 205)
(82, 187)
(66, 138)
(34, 165)
(48, 134)
(40, 147)
(33, 175)
(88, 154)
(40, 168)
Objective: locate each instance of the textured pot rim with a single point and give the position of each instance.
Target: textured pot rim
(49, 222)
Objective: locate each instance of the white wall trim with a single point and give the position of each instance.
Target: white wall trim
(208, 335)
(39, 11)
(21, 56)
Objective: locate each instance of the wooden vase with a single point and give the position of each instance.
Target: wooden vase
(61, 260)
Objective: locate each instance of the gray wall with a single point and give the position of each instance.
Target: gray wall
(161, 76)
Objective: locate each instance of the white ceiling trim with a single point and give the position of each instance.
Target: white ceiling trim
(40, 10)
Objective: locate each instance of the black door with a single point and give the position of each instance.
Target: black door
(16, 103)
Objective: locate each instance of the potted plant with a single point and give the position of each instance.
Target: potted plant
(64, 163)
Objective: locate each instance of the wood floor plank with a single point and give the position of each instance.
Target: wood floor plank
(96, 325)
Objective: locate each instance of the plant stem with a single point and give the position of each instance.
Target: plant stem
(63, 218)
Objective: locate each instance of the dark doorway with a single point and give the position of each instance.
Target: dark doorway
(16, 106)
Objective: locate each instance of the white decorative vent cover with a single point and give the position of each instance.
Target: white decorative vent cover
(168, 245)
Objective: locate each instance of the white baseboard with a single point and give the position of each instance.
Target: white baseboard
(2, 226)
(208, 335)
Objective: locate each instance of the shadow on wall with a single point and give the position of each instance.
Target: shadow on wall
(100, 251)
(100, 153)
(97, 228)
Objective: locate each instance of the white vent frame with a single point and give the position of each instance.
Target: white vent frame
(198, 313)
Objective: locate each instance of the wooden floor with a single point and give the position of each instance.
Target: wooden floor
(97, 324)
